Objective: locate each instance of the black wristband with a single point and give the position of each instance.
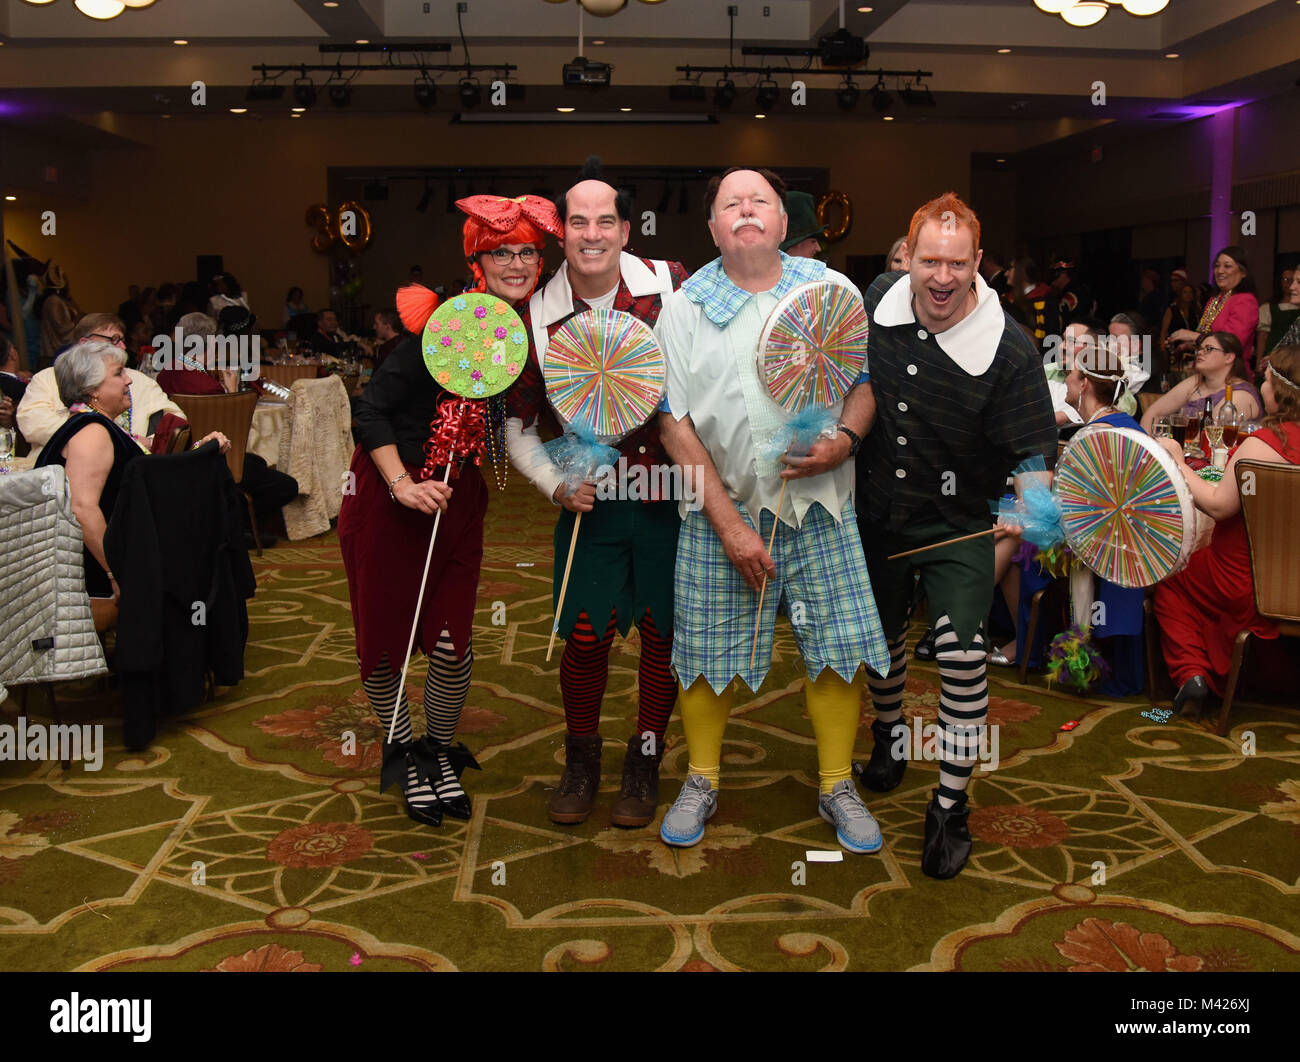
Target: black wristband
(855, 440)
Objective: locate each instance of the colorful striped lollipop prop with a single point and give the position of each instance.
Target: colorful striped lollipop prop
(474, 345)
(813, 346)
(1125, 510)
(606, 369)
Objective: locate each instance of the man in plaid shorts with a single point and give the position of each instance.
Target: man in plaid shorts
(716, 417)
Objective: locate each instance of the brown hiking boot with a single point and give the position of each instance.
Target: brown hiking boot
(639, 795)
(573, 797)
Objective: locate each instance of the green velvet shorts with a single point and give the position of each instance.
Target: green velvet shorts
(957, 580)
(623, 562)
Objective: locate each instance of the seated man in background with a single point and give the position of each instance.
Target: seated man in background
(41, 413)
(329, 338)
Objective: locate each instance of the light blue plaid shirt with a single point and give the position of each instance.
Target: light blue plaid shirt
(721, 300)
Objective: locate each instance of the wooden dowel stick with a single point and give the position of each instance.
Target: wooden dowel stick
(564, 585)
(763, 592)
(946, 542)
(415, 623)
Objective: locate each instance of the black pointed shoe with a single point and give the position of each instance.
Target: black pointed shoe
(428, 814)
(1190, 698)
(947, 838)
(884, 771)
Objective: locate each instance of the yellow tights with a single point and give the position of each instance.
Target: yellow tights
(833, 706)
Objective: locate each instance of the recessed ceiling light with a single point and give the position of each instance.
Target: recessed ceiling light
(11, 199)
(1001, 160)
(330, 3)
(1174, 55)
(297, 110)
(361, 41)
(295, 116)
(180, 41)
(238, 110)
(597, 42)
(625, 110)
(889, 117)
(565, 110)
(1004, 51)
(865, 10)
(760, 116)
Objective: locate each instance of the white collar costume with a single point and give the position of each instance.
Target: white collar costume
(972, 343)
(555, 301)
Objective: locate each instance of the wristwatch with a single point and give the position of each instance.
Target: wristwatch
(855, 440)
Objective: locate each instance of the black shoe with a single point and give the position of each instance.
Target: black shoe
(429, 814)
(947, 838)
(925, 647)
(458, 807)
(1190, 698)
(884, 771)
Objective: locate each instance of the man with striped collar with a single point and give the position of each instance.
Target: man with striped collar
(626, 545)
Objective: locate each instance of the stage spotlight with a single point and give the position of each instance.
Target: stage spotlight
(471, 92)
(340, 92)
(425, 92)
(917, 96)
(768, 93)
(724, 93)
(304, 92)
(847, 97)
(264, 90)
(880, 99)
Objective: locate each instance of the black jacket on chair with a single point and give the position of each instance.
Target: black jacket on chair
(175, 543)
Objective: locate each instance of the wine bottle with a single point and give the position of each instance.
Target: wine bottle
(1229, 419)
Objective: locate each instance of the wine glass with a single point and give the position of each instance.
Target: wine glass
(7, 440)
(1162, 429)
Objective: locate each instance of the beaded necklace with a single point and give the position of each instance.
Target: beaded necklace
(496, 440)
(90, 407)
(1212, 309)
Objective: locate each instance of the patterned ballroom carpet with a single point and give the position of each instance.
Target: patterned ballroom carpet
(251, 835)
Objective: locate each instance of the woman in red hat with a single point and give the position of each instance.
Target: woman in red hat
(387, 518)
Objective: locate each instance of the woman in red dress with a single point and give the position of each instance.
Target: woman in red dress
(386, 521)
(1234, 309)
(1203, 607)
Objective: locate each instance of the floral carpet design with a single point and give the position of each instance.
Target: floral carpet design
(251, 837)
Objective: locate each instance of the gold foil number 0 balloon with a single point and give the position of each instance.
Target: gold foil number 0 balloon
(835, 199)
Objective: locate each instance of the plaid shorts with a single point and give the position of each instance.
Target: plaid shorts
(821, 585)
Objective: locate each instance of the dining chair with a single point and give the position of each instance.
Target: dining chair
(285, 375)
(232, 415)
(1270, 506)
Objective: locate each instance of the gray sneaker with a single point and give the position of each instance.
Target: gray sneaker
(843, 808)
(683, 823)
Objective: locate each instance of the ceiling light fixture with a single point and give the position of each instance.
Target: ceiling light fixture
(847, 96)
(425, 91)
(1089, 12)
(1084, 13)
(340, 92)
(100, 9)
(304, 92)
(724, 93)
(1004, 51)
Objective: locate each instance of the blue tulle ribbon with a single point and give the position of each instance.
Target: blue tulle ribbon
(799, 433)
(1038, 513)
(578, 453)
